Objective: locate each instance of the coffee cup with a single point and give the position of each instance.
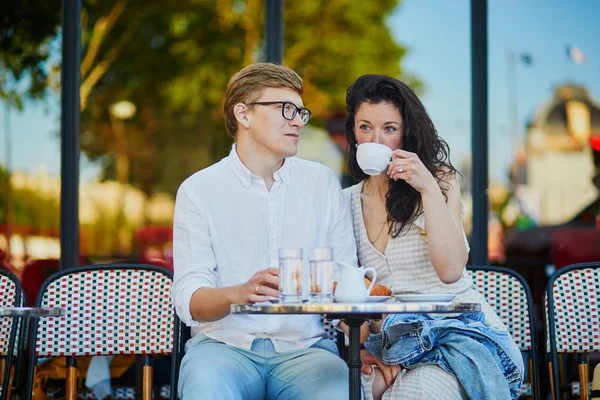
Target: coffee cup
(373, 158)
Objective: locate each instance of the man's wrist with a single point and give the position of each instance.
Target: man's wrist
(233, 295)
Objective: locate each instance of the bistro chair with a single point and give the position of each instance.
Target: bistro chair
(11, 295)
(338, 337)
(111, 309)
(572, 316)
(508, 294)
(35, 272)
(20, 349)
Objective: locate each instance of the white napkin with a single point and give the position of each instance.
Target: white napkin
(98, 376)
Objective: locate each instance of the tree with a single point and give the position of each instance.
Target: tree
(29, 207)
(173, 59)
(26, 30)
(179, 128)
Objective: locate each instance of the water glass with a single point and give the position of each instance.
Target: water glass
(321, 274)
(290, 275)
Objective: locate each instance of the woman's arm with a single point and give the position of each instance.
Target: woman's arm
(447, 249)
(364, 330)
(445, 237)
(389, 372)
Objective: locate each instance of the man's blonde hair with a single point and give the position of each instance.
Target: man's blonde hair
(248, 84)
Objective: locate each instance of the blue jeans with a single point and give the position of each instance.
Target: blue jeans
(486, 362)
(213, 370)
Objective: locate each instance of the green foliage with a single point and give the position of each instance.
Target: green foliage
(332, 43)
(173, 59)
(4, 194)
(27, 206)
(26, 29)
(31, 209)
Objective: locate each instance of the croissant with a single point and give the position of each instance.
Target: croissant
(378, 290)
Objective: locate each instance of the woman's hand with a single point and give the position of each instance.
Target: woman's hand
(408, 166)
(389, 371)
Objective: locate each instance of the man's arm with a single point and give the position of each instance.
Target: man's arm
(194, 291)
(212, 304)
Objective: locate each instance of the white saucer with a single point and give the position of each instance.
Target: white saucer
(377, 299)
(425, 297)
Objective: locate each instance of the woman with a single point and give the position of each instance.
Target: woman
(407, 225)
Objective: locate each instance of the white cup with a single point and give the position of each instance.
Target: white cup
(373, 158)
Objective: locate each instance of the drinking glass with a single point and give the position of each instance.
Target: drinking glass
(321, 274)
(290, 275)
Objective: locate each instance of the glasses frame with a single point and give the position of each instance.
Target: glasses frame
(297, 109)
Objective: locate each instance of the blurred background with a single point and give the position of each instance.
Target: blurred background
(153, 73)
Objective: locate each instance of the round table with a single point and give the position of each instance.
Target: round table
(32, 311)
(354, 315)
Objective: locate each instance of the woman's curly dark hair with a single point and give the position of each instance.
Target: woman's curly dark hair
(403, 202)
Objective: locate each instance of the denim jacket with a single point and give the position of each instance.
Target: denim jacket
(486, 362)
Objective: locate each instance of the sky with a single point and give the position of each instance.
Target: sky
(437, 34)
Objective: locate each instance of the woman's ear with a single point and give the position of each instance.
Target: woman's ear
(241, 114)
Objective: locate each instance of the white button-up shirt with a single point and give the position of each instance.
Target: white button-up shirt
(228, 226)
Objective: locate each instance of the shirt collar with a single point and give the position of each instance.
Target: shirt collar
(245, 175)
(283, 173)
(238, 167)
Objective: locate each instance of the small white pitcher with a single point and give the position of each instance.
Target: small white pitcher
(351, 286)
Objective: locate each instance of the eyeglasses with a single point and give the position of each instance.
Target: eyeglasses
(288, 110)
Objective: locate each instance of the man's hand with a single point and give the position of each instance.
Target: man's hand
(389, 371)
(260, 287)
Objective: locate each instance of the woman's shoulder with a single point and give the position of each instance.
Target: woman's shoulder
(350, 191)
(352, 195)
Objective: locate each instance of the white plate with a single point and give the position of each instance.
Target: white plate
(425, 297)
(377, 299)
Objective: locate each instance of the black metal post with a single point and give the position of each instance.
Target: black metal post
(69, 162)
(10, 220)
(354, 321)
(479, 130)
(354, 362)
(274, 18)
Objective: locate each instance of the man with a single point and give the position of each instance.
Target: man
(230, 221)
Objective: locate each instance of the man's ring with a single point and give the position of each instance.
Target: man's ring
(256, 289)
(400, 169)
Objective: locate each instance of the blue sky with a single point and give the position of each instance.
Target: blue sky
(437, 33)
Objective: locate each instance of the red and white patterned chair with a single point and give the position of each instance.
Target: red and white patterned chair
(338, 337)
(508, 294)
(11, 295)
(572, 316)
(111, 309)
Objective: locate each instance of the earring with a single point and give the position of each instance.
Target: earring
(356, 145)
